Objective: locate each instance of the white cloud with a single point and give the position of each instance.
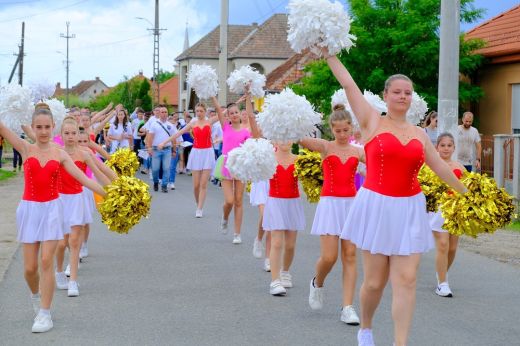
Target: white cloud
(110, 42)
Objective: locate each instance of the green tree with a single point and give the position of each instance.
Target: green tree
(395, 36)
(125, 93)
(144, 100)
(163, 76)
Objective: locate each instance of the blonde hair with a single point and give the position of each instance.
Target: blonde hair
(201, 105)
(339, 113)
(41, 108)
(69, 120)
(394, 77)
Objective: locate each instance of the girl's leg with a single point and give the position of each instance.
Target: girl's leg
(196, 185)
(328, 256)
(348, 259)
(74, 245)
(203, 187)
(30, 260)
(227, 187)
(238, 204)
(452, 249)
(441, 257)
(267, 244)
(289, 246)
(375, 268)
(403, 276)
(260, 234)
(275, 256)
(48, 251)
(60, 252)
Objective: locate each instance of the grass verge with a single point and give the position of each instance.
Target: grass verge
(4, 175)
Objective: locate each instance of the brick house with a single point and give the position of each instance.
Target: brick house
(86, 90)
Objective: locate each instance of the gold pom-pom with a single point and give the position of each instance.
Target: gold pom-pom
(124, 162)
(433, 188)
(307, 168)
(248, 187)
(126, 202)
(483, 209)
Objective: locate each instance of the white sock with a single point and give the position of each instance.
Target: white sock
(35, 295)
(45, 312)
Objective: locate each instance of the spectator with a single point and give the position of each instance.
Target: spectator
(430, 126)
(159, 131)
(469, 146)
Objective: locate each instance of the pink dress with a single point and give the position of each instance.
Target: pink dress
(232, 139)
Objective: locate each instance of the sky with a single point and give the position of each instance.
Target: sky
(111, 43)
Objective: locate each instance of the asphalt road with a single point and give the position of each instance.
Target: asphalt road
(175, 280)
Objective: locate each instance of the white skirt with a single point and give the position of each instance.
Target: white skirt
(201, 159)
(88, 197)
(388, 225)
(39, 221)
(436, 222)
(259, 193)
(331, 214)
(283, 214)
(74, 210)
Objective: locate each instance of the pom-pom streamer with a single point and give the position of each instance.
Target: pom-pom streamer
(253, 160)
(307, 168)
(244, 75)
(433, 188)
(204, 80)
(124, 162)
(16, 106)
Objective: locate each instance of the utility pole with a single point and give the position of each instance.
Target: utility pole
(19, 59)
(156, 33)
(448, 107)
(67, 63)
(223, 52)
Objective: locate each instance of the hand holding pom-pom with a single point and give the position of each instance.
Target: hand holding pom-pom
(433, 188)
(418, 109)
(124, 162)
(253, 161)
(287, 117)
(246, 75)
(307, 168)
(126, 202)
(318, 23)
(204, 80)
(16, 106)
(42, 91)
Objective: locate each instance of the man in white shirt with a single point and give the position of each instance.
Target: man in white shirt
(469, 147)
(159, 130)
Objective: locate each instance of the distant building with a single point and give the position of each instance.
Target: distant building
(290, 72)
(498, 111)
(86, 90)
(264, 47)
(169, 93)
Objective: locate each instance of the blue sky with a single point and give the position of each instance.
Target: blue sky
(111, 43)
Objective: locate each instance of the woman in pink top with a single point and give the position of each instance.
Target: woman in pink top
(234, 135)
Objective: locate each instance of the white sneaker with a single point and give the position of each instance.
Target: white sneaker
(172, 186)
(35, 301)
(286, 279)
(443, 290)
(224, 226)
(198, 213)
(237, 239)
(42, 323)
(258, 248)
(315, 296)
(365, 337)
(73, 289)
(61, 281)
(151, 176)
(267, 265)
(83, 251)
(276, 288)
(349, 316)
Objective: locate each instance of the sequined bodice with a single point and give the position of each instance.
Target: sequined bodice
(392, 167)
(68, 184)
(338, 177)
(284, 184)
(41, 182)
(202, 137)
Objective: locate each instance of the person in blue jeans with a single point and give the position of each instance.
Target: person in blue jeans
(159, 131)
(173, 167)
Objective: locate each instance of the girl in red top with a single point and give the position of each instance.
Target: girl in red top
(388, 219)
(39, 215)
(283, 217)
(78, 213)
(340, 162)
(445, 242)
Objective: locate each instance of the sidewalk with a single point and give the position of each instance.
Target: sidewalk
(11, 192)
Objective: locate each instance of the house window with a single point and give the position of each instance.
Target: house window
(258, 67)
(94, 91)
(184, 76)
(515, 108)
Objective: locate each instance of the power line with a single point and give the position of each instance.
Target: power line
(42, 13)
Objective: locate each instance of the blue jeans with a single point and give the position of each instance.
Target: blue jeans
(173, 166)
(161, 158)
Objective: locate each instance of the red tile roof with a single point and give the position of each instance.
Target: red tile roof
(502, 35)
(169, 91)
(290, 71)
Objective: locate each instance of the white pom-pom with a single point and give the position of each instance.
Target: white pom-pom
(340, 98)
(418, 109)
(253, 161)
(16, 106)
(58, 111)
(375, 101)
(287, 117)
(42, 90)
(204, 80)
(318, 23)
(239, 78)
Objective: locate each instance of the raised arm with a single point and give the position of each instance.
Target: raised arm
(99, 149)
(77, 174)
(220, 114)
(101, 124)
(315, 144)
(18, 143)
(90, 160)
(176, 135)
(99, 115)
(255, 130)
(29, 132)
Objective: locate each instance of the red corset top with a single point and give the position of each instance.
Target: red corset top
(338, 177)
(284, 184)
(41, 182)
(68, 184)
(457, 172)
(392, 167)
(202, 137)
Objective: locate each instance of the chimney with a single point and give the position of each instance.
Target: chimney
(255, 24)
(141, 73)
(58, 85)
(97, 78)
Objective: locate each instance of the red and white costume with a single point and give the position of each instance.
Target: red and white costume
(388, 215)
(337, 195)
(283, 209)
(202, 155)
(76, 212)
(436, 219)
(259, 193)
(39, 215)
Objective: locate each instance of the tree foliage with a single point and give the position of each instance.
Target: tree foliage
(144, 100)
(163, 76)
(125, 93)
(395, 36)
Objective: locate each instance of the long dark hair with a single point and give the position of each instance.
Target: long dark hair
(125, 119)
